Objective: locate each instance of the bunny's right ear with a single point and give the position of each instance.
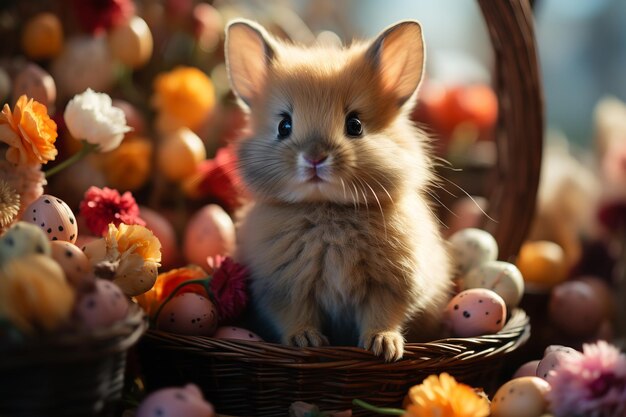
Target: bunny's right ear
(249, 52)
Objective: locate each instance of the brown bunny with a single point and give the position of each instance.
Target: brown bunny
(341, 234)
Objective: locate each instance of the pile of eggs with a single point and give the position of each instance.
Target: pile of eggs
(488, 288)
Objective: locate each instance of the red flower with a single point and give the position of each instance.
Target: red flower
(229, 288)
(218, 178)
(101, 15)
(103, 206)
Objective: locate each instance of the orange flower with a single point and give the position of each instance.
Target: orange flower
(185, 96)
(167, 282)
(442, 396)
(29, 132)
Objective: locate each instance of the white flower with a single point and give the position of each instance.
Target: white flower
(90, 116)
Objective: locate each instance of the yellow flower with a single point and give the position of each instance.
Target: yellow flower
(128, 167)
(9, 204)
(29, 132)
(186, 95)
(136, 239)
(442, 396)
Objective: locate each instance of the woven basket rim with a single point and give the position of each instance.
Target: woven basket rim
(76, 344)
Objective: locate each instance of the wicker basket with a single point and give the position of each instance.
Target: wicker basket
(69, 375)
(261, 379)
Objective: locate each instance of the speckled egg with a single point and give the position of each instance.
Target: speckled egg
(210, 232)
(74, 263)
(501, 277)
(527, 369)
(471, 247)
(103, 306)
(35, 83)
(54, 217)
(552, 359)
(559, 348)
(476, 312)
(23, 239)
(542, 264)
(521, 397)
(576, 309)
(230, 332)
(176, 402)
(190, 314)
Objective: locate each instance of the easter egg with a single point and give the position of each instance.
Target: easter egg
(472, 247)
(35, 83)
(501, 277)
(23, 239)
(179, 154)
(74, 263)
(604, 293)
(164, 231)
(42, 36)
(134, 118)
(521, 397)
(576, 309)
(476, 312)
(210, 232)
(527, 369)
(175, 402)
(552, 359)
(54, 217)
(103, 306)
(188, 313)
(542, 264)
(131, 42)
(237, 333)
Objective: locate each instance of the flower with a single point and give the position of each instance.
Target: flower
(129, 255)
(442, 396)
(103, 206)
(128, 167)
(100, 15)
(92, 117)
(218, 178)
(185, 95)
(29, 132)
(27, 180)
(229, 289)
(9, 204)
(589, 385)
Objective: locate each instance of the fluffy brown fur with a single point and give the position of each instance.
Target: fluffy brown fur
(350, 241)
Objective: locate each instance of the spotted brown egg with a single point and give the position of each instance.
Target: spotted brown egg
(476, 312)
(501, 277)
(74, 263)
(190, 314)
(471, 247)
(54, 217)
(521, 397)
(552, 359)
(237, 333)
(23, 239)
(103, 306)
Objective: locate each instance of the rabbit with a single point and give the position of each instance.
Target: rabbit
(341, 240)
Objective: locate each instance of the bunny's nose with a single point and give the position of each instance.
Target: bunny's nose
(316, 160)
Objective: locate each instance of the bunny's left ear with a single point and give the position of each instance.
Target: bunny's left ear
(398, 55)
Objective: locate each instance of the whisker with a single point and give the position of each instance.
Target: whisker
(471, 198)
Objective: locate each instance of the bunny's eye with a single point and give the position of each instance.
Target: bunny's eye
(284, 127)
(354, 127)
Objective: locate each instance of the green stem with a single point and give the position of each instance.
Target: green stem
(84, 151)
(202, 281)
(379, 410)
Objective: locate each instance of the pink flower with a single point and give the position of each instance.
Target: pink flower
(590, 385)
(229, 287)
(103, 206)
(100, 15)
(26, 179)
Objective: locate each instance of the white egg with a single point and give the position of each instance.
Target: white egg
(521, 397)
(502, 277)
(472, 247)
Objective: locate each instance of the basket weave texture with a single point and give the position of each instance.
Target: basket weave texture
(69, 375)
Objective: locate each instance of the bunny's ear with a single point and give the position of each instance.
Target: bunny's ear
(398, 55)
(249, 52)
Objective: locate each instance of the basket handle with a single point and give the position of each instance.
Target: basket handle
(520, 122)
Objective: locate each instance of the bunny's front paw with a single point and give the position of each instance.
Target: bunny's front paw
(306, 337)
(388, 344)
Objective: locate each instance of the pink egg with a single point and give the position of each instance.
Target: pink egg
(552, 360)
(74, 263)
(527, 369)
(134, 118)
(54, 217)
(476, 312)
(190, 314)
(576, 309)
(164, 231)
(176, 402)
(210, 232)
(37, 84)
(230, 332)
(103, 306)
